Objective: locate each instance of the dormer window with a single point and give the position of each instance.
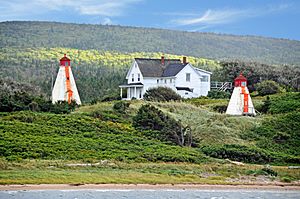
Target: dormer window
(139, 77)
(132, 77)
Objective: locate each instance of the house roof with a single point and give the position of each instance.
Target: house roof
(65, 58)
(173, 69)
(241, 78)
(154, 68)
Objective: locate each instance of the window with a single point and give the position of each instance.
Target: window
(165, 81)
(188, 77)
(243, 83)
(204, 78)
(139, 77)
(66, 63)
(132, 77)
(157, 80)
(170, 80)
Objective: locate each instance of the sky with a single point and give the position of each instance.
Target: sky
(269, 18)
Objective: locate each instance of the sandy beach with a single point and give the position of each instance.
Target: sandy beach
(144, 186)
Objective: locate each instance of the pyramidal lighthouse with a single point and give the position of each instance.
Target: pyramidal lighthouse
(65, 88)
(240, 102)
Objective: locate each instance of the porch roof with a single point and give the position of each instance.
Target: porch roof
(131, 85)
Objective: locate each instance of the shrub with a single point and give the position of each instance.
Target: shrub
(266, 105)
(286, 179)
(153, 119)
(121, 106)
(288, 102)
(108, 98)
(161, 94)
(267, 87)
(238, 153)
(220, 108)
(216, 94)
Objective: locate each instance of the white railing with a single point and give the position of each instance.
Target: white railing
(222, 86)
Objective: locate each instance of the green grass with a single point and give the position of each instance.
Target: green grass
(56, 172)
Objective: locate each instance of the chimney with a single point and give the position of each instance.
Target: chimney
(184, 60)
(162, 60)
(65, 55)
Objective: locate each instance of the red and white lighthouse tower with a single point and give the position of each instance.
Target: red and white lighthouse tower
(65, 88)
(240, 102)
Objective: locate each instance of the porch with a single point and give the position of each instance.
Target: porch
(132, 91)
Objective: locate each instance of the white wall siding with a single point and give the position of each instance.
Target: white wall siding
(194, 82)
(151, 82)
(134, 71)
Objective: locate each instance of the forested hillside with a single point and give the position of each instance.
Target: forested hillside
(131, 39)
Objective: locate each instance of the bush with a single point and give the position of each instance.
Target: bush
(161, 126)
(161, 94)
(216, 94)
(108, 98)
(220, 108)
(121, 106)
(238, 153)
(288, 102)
(267, 87)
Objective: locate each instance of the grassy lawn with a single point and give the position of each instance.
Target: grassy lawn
(58, 172)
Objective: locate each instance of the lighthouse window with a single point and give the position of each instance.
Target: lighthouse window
(66, 63)
(243, 83)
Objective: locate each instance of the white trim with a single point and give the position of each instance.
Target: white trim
(129, 71)
(204, 71)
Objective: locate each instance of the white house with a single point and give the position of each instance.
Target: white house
(182, 77)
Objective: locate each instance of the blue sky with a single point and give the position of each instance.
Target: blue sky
(276, 18)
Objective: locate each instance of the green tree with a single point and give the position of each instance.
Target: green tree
(162, 126)
(267, 87)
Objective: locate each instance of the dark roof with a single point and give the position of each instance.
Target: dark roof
(132, 84)
(154, 68)
(241, 77)
(65, 58)
(139, 83)
(185, 89)
(173, 69)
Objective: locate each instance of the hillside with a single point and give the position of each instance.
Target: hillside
(132, 39)
(100, 131)
(98, 144)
